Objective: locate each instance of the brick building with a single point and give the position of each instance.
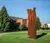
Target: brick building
(18, 20)
(44, 26)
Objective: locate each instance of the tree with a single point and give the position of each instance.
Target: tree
(4, 19)
(13, 25)
(23, 27)
(38, 24)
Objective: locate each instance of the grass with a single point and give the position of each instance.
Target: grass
(22, 37)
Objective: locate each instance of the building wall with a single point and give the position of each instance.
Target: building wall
(27, 23)
(48, 25)
(44, 25)
(21, 21)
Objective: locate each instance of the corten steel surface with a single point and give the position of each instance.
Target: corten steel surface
(32, 23)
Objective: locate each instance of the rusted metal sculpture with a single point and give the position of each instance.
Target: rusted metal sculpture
(32, 23)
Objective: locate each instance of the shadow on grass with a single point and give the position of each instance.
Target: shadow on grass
(43, 34)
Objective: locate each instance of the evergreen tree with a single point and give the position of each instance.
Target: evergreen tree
(0, 20)
(38, 24)
(4, 19)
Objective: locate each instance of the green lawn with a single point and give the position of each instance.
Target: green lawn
(22, 37)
